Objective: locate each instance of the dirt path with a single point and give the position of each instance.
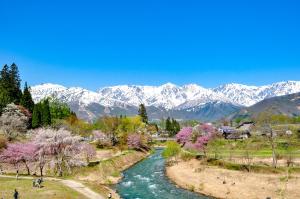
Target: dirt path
(77, 186)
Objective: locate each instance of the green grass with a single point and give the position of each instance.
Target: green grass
(252, 168)
(256, 146)
(50, 189)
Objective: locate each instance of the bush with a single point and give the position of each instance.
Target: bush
(172, 150)
(101, 144)
(184, 155)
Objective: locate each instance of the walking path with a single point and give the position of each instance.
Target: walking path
(77, 186)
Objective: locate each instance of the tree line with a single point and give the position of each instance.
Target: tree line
(41, 114)
(10, 89)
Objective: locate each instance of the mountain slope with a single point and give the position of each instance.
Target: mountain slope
(287, 105)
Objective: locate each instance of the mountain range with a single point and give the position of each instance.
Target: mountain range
(181, 102)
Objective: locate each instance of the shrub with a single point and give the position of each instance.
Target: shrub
(184, 155)
(172, 150)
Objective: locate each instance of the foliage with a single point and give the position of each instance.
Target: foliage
(172, 150)
(143, 113)
(75, 125)
(10, 82)
(36, 116)
(26, 99)
(41, 114)
(186, 155)
(59, 110)
(13, 121)
(45, 113)
(117, 129)
(172, 126)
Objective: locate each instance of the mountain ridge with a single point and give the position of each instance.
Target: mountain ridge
(168, 97)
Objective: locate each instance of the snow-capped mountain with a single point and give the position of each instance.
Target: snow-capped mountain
(249, 95)
(168, 97)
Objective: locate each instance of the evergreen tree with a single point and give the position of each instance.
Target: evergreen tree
(168, 125)
(15, 83)
(36, 116)
(26, 99)
(4, 85)
(175, 127)
(143, 113)
(59, 110)
(45, 113)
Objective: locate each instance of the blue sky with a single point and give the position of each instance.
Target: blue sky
(100, 43)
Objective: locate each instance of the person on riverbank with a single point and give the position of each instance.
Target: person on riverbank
(109, 196)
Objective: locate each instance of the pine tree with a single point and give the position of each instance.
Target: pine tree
(168, 125)
(36, 116)
(143, 113)
(175, 127)
(15, 83)
(4, 87)
(26, 99)
(45, 113)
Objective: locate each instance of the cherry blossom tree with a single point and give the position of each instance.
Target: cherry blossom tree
(18, 153)
(102, 140)
(207, 128)
(202, 142)
(88, 151)
(184, 135)
(134, 141)
(60, 145)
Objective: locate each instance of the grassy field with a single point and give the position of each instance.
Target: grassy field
(53, 190)
(256, 147)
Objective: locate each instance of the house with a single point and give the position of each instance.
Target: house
(229, 132)
(246, 126)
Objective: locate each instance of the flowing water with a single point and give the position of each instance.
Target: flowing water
(146, 180)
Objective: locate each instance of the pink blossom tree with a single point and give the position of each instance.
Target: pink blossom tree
(88, 151)
(184, 135)
(18, 153)
(201, 143)
(134, 141)
(207, 128)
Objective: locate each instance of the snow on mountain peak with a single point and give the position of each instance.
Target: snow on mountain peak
(169, 96)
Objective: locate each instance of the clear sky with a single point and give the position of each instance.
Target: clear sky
(150, 42)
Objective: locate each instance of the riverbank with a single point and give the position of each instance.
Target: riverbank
(223, 183)
(147, 180)
(109, 171)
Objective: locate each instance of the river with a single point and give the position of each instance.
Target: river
(146, 180)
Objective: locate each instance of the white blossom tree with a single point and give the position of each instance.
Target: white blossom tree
(13, 121)
(60, 146)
